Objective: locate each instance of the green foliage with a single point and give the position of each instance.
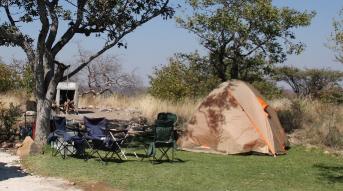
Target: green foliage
(8, 78)
(238, 32)
(14, 77)
(185, 76)
(267, 88)
(292, 117)
(7, 120)
(27, 79)
(337, 37)
(321, 84)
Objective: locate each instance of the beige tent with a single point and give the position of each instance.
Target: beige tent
(234, 119)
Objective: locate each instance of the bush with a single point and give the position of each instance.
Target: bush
(185, 76)
(334, 138)
(8, 78)
(292, 117)
(7, 120)
(322, 84)
(268, 89)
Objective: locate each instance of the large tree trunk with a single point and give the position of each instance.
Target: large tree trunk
(44, 106)
(234, 71)
(42, 121)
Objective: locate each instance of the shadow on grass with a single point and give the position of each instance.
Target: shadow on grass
(7, 172)
(330, 173)
(176, 160)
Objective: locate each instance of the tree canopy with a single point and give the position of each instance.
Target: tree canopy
(58, 22)
(337, 37)
(322, 84)
(241, 34)
(185, 76)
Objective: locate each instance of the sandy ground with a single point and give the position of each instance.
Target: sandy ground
(14, 179)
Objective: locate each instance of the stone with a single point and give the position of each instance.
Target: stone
(17, 145)
(29, 147)
(6, 145)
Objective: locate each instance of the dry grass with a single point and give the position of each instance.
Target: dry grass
(312, 122)
(148, 105)
(15, 97)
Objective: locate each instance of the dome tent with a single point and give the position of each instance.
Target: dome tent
(234, 119)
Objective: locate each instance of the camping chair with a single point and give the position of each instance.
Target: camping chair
(62, 140)
(99, 139)
(164, 139)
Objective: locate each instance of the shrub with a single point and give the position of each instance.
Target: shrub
(7, 120)
(323, 84)
(334, 138)
(8, 78)
(185, 76)
(268, 89)
(292, 117)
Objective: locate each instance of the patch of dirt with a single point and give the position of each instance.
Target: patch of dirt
(98, 186)
(13, 177)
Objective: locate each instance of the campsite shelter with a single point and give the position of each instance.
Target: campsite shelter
(234, 119)
(67, 91)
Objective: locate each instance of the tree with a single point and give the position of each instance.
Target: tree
(185, 76)
(25, 75)
(316, 83)
(241, 34)
(337, 37)
(8, 78)
(105, 73)
(107, 19)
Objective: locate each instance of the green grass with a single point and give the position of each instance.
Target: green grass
(300, 169)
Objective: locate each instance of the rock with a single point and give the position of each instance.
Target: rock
(17, 145)
(28, 147)
(6, 145)
(106, 110)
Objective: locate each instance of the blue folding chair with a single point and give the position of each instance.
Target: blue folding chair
(99, 139)
(64, 142)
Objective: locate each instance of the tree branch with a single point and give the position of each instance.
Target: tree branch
(9, 16)
(69, 34)
(54, 24)
(90, 59)
(117, 39)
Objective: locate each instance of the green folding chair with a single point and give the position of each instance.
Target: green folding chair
(164, 139)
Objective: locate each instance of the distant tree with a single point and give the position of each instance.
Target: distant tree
(58, 22)
(105, 73)
(25, 75)
(5, 78)
(8, 78)
(241, 34)
(337, 37)
(185, 76)
(268, 88)
(316, 83)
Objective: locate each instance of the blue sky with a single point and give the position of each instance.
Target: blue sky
(152, 44)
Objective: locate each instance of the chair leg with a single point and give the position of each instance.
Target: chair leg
(121, 150)
(173, 154)
(164, 152)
